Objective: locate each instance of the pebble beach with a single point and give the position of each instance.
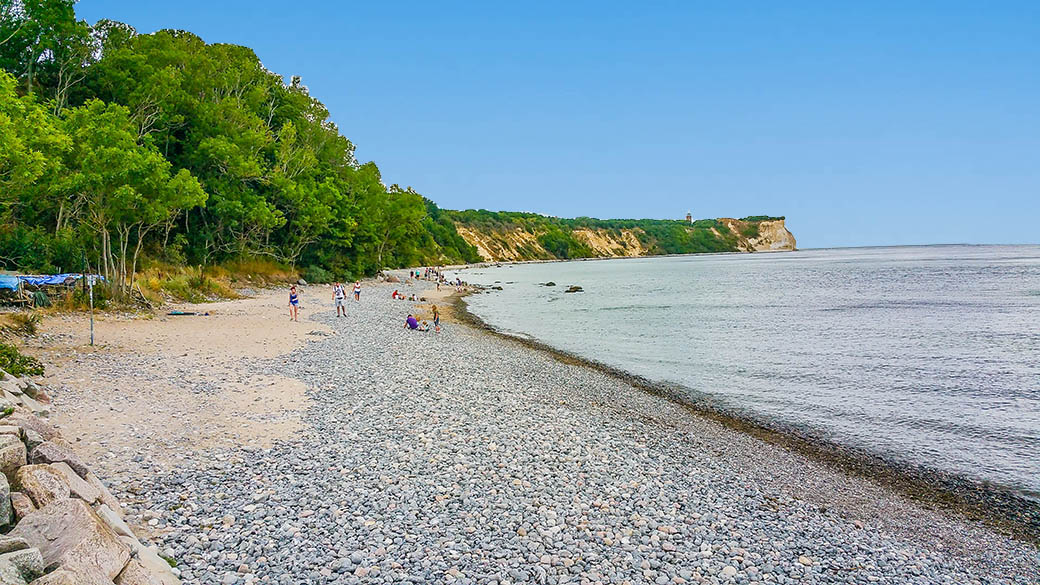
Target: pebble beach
(464, 457)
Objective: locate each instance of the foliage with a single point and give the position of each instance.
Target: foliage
(24, 324)
(119, 149)
(13, 362)
(317, 275)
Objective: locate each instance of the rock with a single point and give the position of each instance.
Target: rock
(805, 561)
(550, 283)
(69, 534)
(115, 522)
(52, 452)
(301, 282)
(136, 573)
(12, 455)
(26, 563)
(22, 505)
(6, 511)
(11, 544)
(729, 571)
(10, 430)
(574, 289)
(36, 407)
(106, 496)
(26, 420)
(42, 483)
(32, 439)
(65, 577)
(79, 487)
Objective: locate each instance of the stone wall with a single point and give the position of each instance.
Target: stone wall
(60, 525)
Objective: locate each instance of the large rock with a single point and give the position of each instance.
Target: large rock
(35, 406)
(64, 577)
(11, 544)
(70, 535)
(114, 521)
(22, 505)
(106, 496)
(12, 455)
(6, 511)
(20, 566)
(146, 568)
(10, 430)
(26, 420)
(42, 483)
(52, 452)
(79, 487)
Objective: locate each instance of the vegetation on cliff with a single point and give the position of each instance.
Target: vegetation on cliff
(502, 235)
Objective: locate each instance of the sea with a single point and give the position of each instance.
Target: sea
(923, 355)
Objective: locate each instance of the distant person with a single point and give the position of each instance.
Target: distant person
(394, 295)
(357, 291)
(436, 319)
(339, 298)
(413, 324)
(294, 304)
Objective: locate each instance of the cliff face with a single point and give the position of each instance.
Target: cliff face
(541, 239)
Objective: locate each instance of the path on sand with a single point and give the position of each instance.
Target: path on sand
(466, 458)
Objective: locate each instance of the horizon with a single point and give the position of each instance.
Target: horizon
(922, 121)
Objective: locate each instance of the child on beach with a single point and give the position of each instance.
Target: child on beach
(357, 291)
(294, 304)
(339, 298)
(413, 324)
(436, 319)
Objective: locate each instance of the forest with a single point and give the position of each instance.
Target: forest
(121, 150)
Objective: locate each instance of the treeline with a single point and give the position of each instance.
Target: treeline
(658, 236)
(118, 149)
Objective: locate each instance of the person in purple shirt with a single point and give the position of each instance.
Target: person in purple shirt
(412, 323)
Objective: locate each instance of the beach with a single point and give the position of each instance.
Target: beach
(349, 450)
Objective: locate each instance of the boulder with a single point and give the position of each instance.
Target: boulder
(22, 505)
(10, 430)
(32, 439)
(11, 544)
(574, 289)
(6, 511)
(42, 483)
(25, 564)
(12, 455)
(64, 577)
(147, 568)
(70, 535)
(52, 452)
(35, 406)
(115, 522)
(106, 496)
(25, 419)
(79, 487)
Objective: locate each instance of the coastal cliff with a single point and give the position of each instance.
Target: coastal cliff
(512, 237)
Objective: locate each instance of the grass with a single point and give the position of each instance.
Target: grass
(21, 323)
(15, 363)
(162, 283)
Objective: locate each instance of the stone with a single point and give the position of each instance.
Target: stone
(729, 571)
(51, 452)
(114, 521)
(35, 406)
(22, 505)
(42, 483)
(11, 544)
(12, 455)
(106, 496)
(32, 439)
(69, 534)
(146, 568)
(26, 420)
(65, 577)
(79, 487)
(6, 511)
(27, 563)
(805, 561)
(10, 430)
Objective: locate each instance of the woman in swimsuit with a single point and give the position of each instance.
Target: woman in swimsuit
(294, 304)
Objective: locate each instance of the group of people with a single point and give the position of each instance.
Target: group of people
(339, 299)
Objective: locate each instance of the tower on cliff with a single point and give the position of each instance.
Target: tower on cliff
(689, 217)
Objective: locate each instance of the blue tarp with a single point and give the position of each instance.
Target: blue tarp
(52, 279)
(8, 282)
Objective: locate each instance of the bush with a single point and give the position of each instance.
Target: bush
(317, 275)
(21, 323)
(13, 362)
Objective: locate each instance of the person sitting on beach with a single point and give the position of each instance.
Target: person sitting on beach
(412, 323)
(339, 298)
(294, 304)
(394, 295)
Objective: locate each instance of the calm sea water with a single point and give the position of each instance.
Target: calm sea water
(927, 355)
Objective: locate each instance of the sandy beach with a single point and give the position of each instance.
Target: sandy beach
(349, 450)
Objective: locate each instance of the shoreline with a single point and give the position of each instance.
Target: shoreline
(1001, 507)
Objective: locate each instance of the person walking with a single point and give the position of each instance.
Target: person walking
(339, 298)
(357, 291)
(294, 304)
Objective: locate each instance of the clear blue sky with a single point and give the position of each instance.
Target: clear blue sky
(883, 123)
